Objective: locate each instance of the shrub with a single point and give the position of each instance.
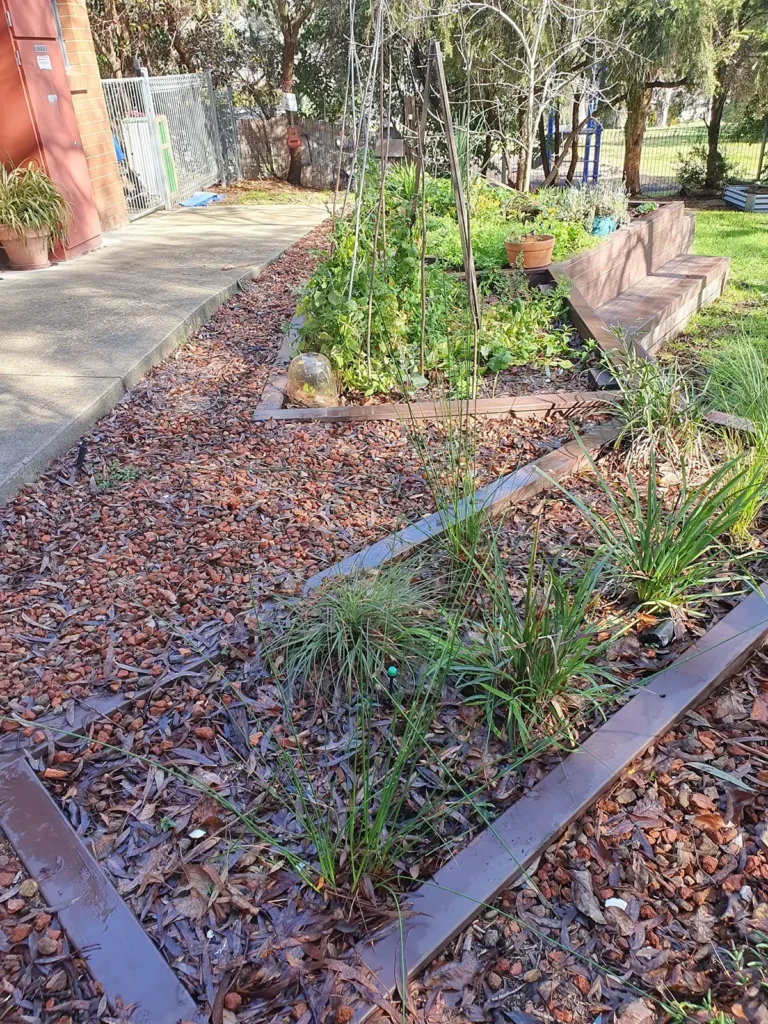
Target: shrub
(692, 169)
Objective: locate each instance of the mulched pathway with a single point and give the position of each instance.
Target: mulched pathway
(644, 897)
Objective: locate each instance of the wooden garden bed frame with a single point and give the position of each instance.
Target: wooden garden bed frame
(122, 957)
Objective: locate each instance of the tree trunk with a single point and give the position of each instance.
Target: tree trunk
(543, 146)
(111, 43)
(716, 107)
(576, 110)
(287, 64)
(638, 104)
(487, 153)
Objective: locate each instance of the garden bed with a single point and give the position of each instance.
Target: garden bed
(259, 810)
(675, 905)
(217, 737)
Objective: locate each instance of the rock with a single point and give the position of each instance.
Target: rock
(47, 946)
(691, 744)
(761, 833)
(625, 796)
(20, 933)
(232, 1001)
(14, 906)
(707, 848)
(640, 1011)
(28, 888)
(531, 976)
(494, 981)
(311, 382)
(491, 938)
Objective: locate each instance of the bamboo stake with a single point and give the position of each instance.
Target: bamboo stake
(461, 209)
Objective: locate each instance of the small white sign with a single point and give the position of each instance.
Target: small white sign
(289, 102)
(44, 62)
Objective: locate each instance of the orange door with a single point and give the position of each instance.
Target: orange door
(47, 86)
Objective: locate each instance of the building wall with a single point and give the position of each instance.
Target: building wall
(91, 113)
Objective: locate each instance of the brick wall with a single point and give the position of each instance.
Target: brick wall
(91, 113)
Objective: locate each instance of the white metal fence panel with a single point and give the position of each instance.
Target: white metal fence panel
(126, 100)
(182, 155)
(186, 125)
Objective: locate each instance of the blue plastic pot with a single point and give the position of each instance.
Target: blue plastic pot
(603, 225)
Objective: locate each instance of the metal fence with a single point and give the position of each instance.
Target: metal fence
(167, 138)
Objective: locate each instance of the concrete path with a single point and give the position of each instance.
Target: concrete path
(75, 337)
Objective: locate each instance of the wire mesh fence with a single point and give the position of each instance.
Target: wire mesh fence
(182, 155)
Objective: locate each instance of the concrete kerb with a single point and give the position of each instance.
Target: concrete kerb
(30, 468)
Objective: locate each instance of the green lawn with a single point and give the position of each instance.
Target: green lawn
(661, 153)
(744, 306)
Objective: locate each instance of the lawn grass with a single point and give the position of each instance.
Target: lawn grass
(743, 308)
(662, 148)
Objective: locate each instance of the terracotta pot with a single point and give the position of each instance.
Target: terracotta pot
(27, 251)
(536, 250)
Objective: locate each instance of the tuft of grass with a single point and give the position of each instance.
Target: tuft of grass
(344, 639)
(115, 474)
(535, 664)
(670, 558)
(663, 412)
(739, 385)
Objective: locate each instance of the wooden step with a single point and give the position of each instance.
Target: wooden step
(658, 306)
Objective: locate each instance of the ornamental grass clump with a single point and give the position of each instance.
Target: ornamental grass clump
(345, 638)
(31, 203)
(670, 559)
(535, 662)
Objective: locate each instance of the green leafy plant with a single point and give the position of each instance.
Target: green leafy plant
(669, 558)
(29, 201)
(535, 664)
(648, 207)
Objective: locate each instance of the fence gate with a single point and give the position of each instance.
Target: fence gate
(182, 155)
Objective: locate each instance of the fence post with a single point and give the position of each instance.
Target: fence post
(149, 110)
(762, 151)
(235, 135)
(223, 171)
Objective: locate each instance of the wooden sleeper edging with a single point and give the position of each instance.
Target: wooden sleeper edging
(444, 906)
(120, 955)
(513, 488)
(536, 406)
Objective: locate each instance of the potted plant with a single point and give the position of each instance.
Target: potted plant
(611, 208)
(536, 250)
(33, 216)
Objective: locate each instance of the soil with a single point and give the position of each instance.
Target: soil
(261, 191)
